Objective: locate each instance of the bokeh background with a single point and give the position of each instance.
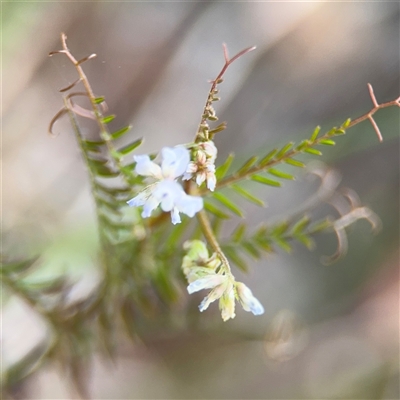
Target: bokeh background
(313, 61)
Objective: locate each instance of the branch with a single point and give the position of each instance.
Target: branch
(97, 114)
(376, 107)
(208, 112)
(308, 144)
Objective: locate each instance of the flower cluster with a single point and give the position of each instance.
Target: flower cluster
(203, 165)
(205, 272)
(166, 191)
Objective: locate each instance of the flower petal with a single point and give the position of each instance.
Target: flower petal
(175, 161)
(150, 205)
(207, 282)
(248, 301)
(215, 294)
(146, 167)
(138, 200)
(227, 303)
(168, 193)
(175, 217)
(189, 205)
(211, 181)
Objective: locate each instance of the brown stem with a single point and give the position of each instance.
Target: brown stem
(217, 80)
(98, 116)
(370, 113)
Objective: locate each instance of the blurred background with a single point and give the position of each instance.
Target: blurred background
(328, 331)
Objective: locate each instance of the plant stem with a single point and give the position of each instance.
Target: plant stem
(257, 168)
(104, 132)
(211, 239)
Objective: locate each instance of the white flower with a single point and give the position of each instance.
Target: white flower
(203, 167)
(204, 272)
(227, 302)
(208, 282)
(166, 191)
(248, 301)
(222, 288)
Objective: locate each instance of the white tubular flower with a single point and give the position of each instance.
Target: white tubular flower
(210, 150)
(197, 263)
(248, 301)
(208, 282)
(227, 302)
(205, 272)
(202, 168)
(166, 191)
(215, 294)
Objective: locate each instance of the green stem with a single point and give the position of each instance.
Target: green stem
(211, 239)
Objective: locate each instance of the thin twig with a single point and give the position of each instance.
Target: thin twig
(376, 107)
(218, 80)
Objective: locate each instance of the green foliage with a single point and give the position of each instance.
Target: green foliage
(139, 258)
(266, 239)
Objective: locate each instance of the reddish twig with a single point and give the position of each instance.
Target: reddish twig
(216, 81)
(376, 107)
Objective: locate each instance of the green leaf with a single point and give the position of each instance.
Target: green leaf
(223, 168)
(306, 241)
(315, 133)
(15, 373)
(97, 162)
(217, 129)
(264, 161)
(176, 233)
(313, 151)
(108, 119)
(120, 132)
(265, 181)
(247, 195)
(217, 225)
(280, 228)
(215, 210)
(251, 249)
(233, 254)
(130, 147)
(319, 226)
(114, 191)
(119, 226)
(105, 172)
(247, 165)
(303, 145)
(295, 163)
(301, 224)
(50, 286)
(99, 100)
(339, 132)
(113, 207)
(264, 243)
(284, 150)
(228, 203)
(346, 123)
(239, 232)
(17, 266)
(92, 145)
(283, 244)
(327, 142)
(280, 174)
